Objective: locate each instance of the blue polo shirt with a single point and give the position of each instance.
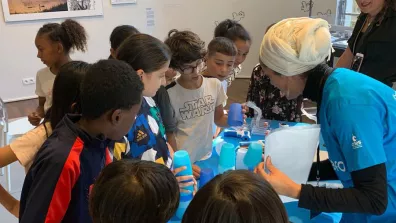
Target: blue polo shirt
(358, 124)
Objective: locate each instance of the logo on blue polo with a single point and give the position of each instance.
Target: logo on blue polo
(356, 144)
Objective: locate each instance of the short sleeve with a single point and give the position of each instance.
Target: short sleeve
(26, 146)
(39, 88)
(166, 110)
(359, 131)
(221, 95)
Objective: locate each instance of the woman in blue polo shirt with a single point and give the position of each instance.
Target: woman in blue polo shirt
(357, 116)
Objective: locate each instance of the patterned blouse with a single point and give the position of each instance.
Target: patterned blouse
(268, 98)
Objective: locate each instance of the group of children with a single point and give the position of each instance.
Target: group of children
(123, 110)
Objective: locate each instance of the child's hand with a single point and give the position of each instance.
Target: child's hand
(34, 118)
(245, 109)
(184, 181)
(196, 171)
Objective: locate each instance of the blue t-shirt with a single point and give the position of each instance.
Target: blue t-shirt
(358, 124)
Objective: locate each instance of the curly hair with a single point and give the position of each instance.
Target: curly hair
(186, 47)
(70, 33)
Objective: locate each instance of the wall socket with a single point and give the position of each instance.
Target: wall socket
(29, 81)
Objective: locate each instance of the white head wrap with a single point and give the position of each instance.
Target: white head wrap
(296, 45)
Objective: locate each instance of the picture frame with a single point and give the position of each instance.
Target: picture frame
(25, 10)
(119, 2)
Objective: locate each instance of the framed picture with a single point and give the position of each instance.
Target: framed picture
(22, 10)
(117, 2)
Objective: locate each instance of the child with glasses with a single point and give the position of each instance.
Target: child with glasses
(198, 101)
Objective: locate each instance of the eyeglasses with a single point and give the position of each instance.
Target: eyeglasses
(190, 69)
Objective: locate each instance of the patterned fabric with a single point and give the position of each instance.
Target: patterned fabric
(268, 98)
(147, 137)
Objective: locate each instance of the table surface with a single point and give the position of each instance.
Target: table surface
(296, 215)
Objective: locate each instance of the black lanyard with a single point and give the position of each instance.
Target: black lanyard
(328, 72)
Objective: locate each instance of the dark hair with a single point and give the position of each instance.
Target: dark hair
(66, 91)
(109, 85)
(232, 30)
(119, 34)
(391, 4)
(388, 6)
(145, 52)
(186, 47)
(236, 197)
(134, 191)
(69, 33)
(222, 45)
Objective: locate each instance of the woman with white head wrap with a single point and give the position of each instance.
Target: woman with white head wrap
(357, 116)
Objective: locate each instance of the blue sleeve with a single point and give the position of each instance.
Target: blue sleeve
(359, 132)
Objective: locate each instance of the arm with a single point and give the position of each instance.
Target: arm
(220, 117)
(40, 108)
(167, 114)
(369, 194)
(170, 136)
(7, 156)
(345, 60)
(364, 159)
(9, 202)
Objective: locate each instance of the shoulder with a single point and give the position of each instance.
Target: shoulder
(171, 85)
(345, 87)
(44, 71)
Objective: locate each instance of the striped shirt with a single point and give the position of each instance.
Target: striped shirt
(56, 188)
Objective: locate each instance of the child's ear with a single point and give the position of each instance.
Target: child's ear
(140, 72)
(113, 53)
(75, 108)
(60, 48)
(115, 116)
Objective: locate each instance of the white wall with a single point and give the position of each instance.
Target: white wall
(18, 54)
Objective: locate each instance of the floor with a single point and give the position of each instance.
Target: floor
(236, 93)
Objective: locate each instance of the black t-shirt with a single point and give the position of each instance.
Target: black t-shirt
(378, 45)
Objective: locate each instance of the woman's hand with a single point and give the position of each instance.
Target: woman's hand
(185, 181)
(282, 184)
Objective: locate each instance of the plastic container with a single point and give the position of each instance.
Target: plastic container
(227, 158)
(253, 155)
(235, 116)
(181, 158)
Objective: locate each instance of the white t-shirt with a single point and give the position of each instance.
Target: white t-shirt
(195, 110)
(44, 83)
(26, 146)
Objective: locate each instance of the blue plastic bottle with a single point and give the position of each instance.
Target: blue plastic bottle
(181, 158)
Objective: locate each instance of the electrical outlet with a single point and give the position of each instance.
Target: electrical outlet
(29, 81)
